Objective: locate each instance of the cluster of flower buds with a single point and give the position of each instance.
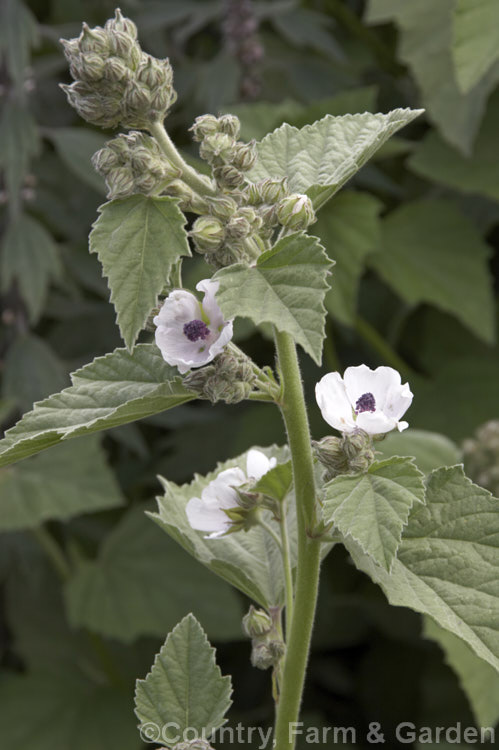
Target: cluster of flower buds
(481, 456)
(134, 163)
(267, 645)
(352, 453)
(230, 378)
(116, 83)
(220, 234)
(277, 206)
(218, 145)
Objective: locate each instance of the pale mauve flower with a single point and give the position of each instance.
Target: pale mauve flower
(190, 333)
(365, 399)
(207, 513)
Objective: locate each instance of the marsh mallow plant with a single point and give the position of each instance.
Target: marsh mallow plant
(263, 521)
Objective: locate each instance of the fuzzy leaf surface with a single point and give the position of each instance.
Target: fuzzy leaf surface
(138, 240)
(476, 40)
(374, 507)
(249, 560)
(425, 45)
(478, 679)
(143, 583)
(318, 159)
(286, 288)
(112, 390)
(447, 565)
(73, 478)
(185, 686)
(432, 253)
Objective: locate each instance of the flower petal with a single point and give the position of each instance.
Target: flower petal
(398, 401)
(333, 402)
(205, 517)
(361, 379)
(375, 423)
(222, 339)
(179, 307)
(257, 464)
(210, 305)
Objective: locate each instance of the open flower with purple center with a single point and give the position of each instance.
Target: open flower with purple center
(207, 513)
(190, 333)
(365, 399)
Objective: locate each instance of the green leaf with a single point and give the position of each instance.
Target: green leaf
(29, 257)
(18, 34)
(112, 390)
(259, 118)
(289, 283)
(437, 161)
(425, 45)
(432, 253)
(249, 560)
(350, 231)
(71, 479)
(76, 146)
(277, 482)
(303, 27)
(19, 143)
(478, 679)
(320, 158)
(476, 40)
(470, 383)
(130, 590)
(429, 449)
(374, 507)
(50, 710)
(138, 240)
(31, 371)
(447, 566)
(184, 687)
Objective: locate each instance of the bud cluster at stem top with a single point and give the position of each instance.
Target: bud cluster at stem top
(116, 83)
(134, 163)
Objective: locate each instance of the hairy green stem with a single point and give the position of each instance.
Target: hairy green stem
(288, 569)
(193, 179)
(308, 567)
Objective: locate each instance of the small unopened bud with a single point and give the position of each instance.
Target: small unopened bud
(228, 176)
(223, 208)
(229, 124)
(257, 622)
(115, 70)
(155, 73)
(352, 453)
(203, 126)
(265, 655)
(120, 182)
(120, 23)
(93, 40)
(244, 155)
(252, 217)
(217, 148)
(295, 211)
(237, 228)
(267, 191)
(208, 234)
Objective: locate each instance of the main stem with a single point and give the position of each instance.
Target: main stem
(308, 567)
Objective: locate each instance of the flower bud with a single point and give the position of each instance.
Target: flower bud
(237, 228)
(120, 23)
(155, 73)
(115, 70)
(217, 148)
(257, 622)
(120, 183)
(295, 211)
(481, 456)
(244, 155)
(208, 234)
(223, 207)
(121, 45)
(90, 67)
(228, 176)
(203, 126)
(267, 654)
(351, 453)
(229, 124)
(252, 217)
(267, 191)
(93, 40)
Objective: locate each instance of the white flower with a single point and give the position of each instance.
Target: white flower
(370, 400)
(190, 333)
(207, 513)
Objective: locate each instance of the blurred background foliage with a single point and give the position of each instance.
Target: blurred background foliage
(89, 586)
